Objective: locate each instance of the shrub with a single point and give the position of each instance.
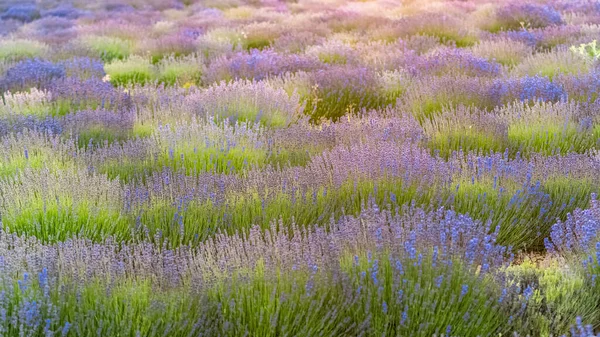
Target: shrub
(257, 65)
(37, 205)
(25, 13)
(108, 48)
(135, 70)
(445, 29)
(28, 74)
(515, 16)
(185, 71)
(426, 97)
(245, 101)
(340, 91)
(551, 64)
(526, 89)
(19, 49)
(504, 51)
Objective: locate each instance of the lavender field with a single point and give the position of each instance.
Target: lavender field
(299, 168)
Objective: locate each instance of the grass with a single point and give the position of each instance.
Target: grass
(34, 151)
(56, 221)
(98, 135)
(33, 103)
(246, 109)
(506, 52)
(34, 158)
(523, 213)
(128, 307)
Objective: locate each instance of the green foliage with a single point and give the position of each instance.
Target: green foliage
(428, 300)
(98, 135)
(466, 138)
(188, 158)
(587, 50)
(20, 49)
(38, 206)
(334, 103)
(302, 305)
(561, 294)
(518, 210)
(182, 221)
(552, 64)
(34, 158)
(550, 137)
(185, 72)
(135, 70)
(108, 48)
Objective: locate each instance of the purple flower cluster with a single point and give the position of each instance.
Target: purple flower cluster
(529, 88)
(258, 65)
(578, 233)
(450, 60)
(30, 73)
(513, 15)
(24, 12)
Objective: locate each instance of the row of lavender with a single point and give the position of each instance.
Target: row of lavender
(299, 168)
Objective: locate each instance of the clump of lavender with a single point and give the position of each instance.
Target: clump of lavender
(246, 101)
(24, 12)
(369, 266)
(337, 91)
(515, 16)
(505, 51)
(445, 28)
(70, 94)
(64, 11)
(97, 127)
(304, 168)
(83, 68)
(30, 73)
(177, 44)
(54, 30)
(552, 64)
(448, 61)
(528, 88)
(38, 205)
(578, 233)
(427, 97)
(257, 65)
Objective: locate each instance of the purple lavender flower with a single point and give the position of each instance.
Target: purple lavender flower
(25, 13)
(31, 73)
(528, 88)
(511, 16)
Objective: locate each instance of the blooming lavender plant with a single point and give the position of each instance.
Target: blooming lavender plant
(31, 73)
